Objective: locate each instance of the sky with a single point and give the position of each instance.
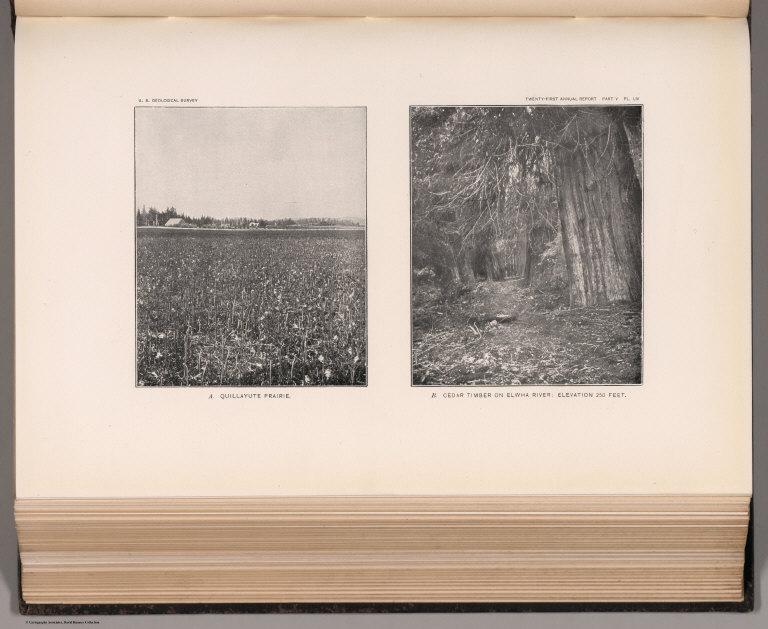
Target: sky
(254, 162)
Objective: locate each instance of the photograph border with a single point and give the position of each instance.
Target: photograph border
(255, 387)
(410, 254)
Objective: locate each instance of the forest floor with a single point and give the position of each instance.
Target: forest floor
(506, 334)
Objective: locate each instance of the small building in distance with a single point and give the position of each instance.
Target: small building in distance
(177, 222)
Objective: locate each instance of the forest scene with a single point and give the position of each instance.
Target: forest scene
(526, 230)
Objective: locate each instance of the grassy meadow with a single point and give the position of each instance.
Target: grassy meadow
(250, 307)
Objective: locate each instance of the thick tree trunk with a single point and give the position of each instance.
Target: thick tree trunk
(501, 259)
(454, 277)
(521, 261)
(495, 260)
(526, 277)
(600, 215)
(634, 137)
(468, 279)
(458, 274)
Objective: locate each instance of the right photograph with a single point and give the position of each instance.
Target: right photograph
(526, 245)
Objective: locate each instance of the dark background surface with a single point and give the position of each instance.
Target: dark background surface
(9, 614)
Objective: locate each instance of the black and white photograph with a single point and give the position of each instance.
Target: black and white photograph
(526, 245)
(250, 246)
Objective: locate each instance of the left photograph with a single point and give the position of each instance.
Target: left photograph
(250, 246)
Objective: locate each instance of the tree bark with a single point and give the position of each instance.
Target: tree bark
(600, 215)
(521, 261)
(499, 258)
(634, 137)
(468, 279)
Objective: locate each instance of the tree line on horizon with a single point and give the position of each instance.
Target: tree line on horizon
(152, 217)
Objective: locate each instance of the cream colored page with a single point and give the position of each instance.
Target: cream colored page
(84, 429)
(382, 8)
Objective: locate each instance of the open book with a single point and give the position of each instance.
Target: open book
(349, 302)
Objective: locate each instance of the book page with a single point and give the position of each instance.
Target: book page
(226, 287)
(380, 8)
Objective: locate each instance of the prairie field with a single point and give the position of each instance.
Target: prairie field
(250, 307)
